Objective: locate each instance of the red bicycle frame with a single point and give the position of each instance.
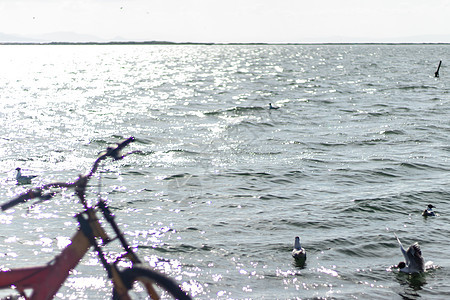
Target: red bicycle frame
(45, 281)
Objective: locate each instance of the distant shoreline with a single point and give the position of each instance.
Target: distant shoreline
(207, 44)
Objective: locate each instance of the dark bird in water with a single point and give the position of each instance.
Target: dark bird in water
(298, 253)
(23, 179)
(429, 211)
(414, 262)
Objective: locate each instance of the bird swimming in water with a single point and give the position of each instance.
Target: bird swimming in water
(298, 253)
(273, 107)
(414, 262)
(23, 179)
(429, 211)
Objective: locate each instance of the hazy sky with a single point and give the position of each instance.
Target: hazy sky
(231, 20)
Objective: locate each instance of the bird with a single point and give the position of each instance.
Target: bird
(414, 262)
(298, 253)
(23, 179)
(273, 107)
(428, 212)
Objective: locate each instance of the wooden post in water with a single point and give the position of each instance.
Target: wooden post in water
(436, 74)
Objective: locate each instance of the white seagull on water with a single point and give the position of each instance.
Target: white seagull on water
(414, 262)
(23, 179)
(273, 107)
(298, 253)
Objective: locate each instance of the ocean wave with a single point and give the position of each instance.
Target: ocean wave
(182, 248)
(392, 132)
(247, 174)
(422, 166)
(236, 110)
(414, 87)
(295, 174)
(180, 175)
(273, 197)
(183, 151)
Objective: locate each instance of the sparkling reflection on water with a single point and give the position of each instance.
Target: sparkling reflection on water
(222, 185)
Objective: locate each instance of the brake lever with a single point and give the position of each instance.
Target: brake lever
(114, 152)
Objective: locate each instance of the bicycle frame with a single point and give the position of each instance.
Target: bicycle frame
(45, 281)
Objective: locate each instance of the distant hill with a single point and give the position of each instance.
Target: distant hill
(71, 37)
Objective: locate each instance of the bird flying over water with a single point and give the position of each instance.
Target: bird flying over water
(23, 179)
(414, 262)
(298, 253)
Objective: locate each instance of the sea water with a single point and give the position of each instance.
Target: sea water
(221, 184)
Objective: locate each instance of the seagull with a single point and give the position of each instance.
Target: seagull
(429, 211)
(414, 262)
(273, 107)
(22, 179)
(298, 253)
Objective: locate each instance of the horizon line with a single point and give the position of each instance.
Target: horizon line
(220, 43)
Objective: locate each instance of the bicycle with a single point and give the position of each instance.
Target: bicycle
(43, 282)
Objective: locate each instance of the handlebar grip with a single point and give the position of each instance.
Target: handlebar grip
(22, 198)
(125, 143)
(114, 152)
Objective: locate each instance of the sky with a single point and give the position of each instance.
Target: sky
(240, 21)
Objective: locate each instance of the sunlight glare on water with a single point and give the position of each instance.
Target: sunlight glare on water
(220, 185)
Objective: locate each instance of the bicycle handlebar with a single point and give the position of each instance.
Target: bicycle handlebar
(113, 152)
(30, 194)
